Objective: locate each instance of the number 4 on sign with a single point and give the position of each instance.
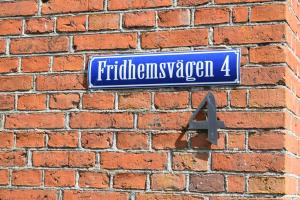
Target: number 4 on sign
(211, 124)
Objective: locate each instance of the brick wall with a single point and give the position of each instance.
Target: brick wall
(60, 141)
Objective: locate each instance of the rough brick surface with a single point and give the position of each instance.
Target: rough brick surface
(60, 140)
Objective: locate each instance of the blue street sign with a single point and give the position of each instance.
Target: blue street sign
(214, 67)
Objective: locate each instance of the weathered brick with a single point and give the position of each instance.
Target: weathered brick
(198, 96)
(71, 23)
(267, 185)
(35, 64)
(249, 34)
(168, 182)
(132, 140)
(61, 6)
(136, 100)
(4, 179)
(130, 181)
(35, 120)
(267, 54)
(107, 21)
(68, 63)
(27, 178)
(248, 162)
(267, 140)
(30, 140)
(240, 14)
(171, 100)
(236, 140)
(190, 161)
(93, 195)
(7, 140)
(39, 25)
(10, 27)
(32, 102)
(178, 17)
(7, 102)
(175, 38)
(12, 159)
(157, 196)
(15, 83)
(63, 139)
(212, 16)
(238, 98)
(199, 141)
(59, 178)
(169, 141)
(271, 12)
(139, 19)
(105, 41)
(18, 8)
(236, 183)
(191, 2)
(64, 101)
(96, 140)
(102, 101)
(2, 46)
(267, 98)
(115, 160)
(136, 4)
(103, 120)
(89, 179)
(28, 194)
(39, 45)
(207, 183)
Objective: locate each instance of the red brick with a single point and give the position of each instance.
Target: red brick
(4, 179)
(35, 120)
(61, 82)
(11, 8)
(271, 12)
(212, 16)
(39, 45)
(252, 119)
(93, 195)
(139, 19)
(267, 54)
(191, 2)
(190, 161)
(27, 178)
(238, 98)
(59, 178)
(262, 75)
(71, 23)
(103, 120)
(2, 46)
(114, 160)
(93, 179)
(132, 140)
(178, 17)
(7, 102)
(240, 14)
(207, 183)
(249, 34)
(39, 25)
(136, 4)
(12, 159)
(105, 41)
(35, 64)
(63, 139)
(10, 27)
(102, 101)
(267, 140)
(236, 184)
(105, 21)
(136, 100)
(63, 158)
(68, 63)
(239, 1)
(168, 182)
(248, 162)
(64, 101)
(32, 102)
(174, 38)
(61, 6)
(267, 185)
(267, 98)
(220, 96)
(96, 140)
(199, 141)
(236, 141)
(169, 141)
(7, 141)
(30, 140)
(157, 196)
(163, 120)
(171, 100)
(15, 83)
(8, 65)
(130, 181)
(28, 194)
